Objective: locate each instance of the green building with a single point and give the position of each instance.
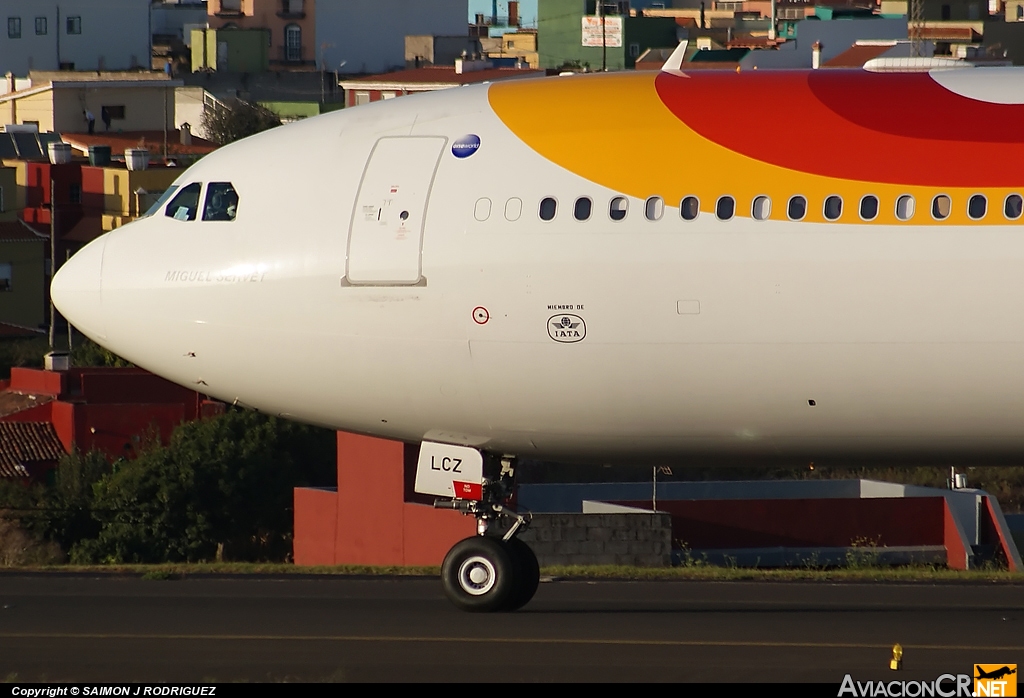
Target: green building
(569, 33)
(231, 50)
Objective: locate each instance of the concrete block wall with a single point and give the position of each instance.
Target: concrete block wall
(640, 540)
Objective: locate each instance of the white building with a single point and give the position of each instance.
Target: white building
(368, 36)
(73, 35)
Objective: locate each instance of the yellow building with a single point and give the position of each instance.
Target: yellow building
(522, 45)
(62, 101)
(22, 275)
(127, 194)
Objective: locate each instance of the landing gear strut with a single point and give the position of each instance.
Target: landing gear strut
(490, 572)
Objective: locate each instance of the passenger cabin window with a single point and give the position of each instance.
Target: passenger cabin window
(761, 208)
(513, 209)
(1013, 207)
(797, 208)
(617, 208)
(689, 208)
(581, 211)
(184, 206)
(833, 207)
(725, 207)
(869, 207)
(905, 207)
(977, 205)
(221, 202)
(548, 208)
(482, 209)
(654, 208)
(941, 207)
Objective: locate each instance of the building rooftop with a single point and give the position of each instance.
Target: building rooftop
(19, 231)
(24, 444)
(119, 141)
(439, 75)
(859, 54)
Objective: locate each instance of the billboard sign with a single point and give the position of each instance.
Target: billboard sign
(610, 37)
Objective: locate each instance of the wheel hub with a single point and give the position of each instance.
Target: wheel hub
(477, 575)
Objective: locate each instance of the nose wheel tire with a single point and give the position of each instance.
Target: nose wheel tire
(527, 574)
(479, 574)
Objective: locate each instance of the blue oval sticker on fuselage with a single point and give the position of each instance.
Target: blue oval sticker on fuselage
(466, 146)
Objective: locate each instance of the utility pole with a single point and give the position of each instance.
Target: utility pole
(915, 26)
(53, 257)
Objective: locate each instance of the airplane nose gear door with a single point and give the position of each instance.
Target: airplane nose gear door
(386, 233)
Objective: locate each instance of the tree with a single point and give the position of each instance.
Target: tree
(222, 487)
(239, 119)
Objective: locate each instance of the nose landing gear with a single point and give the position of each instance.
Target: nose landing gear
(487, 573)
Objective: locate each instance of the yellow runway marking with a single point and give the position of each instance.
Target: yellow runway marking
(509, 640)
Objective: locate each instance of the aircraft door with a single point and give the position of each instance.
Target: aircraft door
(386, 233)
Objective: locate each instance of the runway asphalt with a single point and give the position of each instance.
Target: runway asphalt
(61, 627)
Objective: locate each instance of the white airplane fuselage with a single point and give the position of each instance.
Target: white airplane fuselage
(740, 340)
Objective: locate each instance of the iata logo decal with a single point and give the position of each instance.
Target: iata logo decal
(567, 328)
(466, 146)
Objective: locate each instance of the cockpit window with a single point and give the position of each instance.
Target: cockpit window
(221, 202)
(184, 206)
(159, 203)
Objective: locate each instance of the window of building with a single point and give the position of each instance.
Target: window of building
(74, 25)
(6, 276)
(548, 208)
(797, 208)
(183, 207)
(941, 207)
(40, 26)
(581, 211)
(222, 202)
(761, 209)
(1020, 12)
(977, 205)
(617, 208)
(14, 27)
(833, 207)
(689, 208)
(634, 50)
(75, 193)
(869, 207)
(1012, 207)
(231, 5)
(293, 7)
(725, 207)
(905, 207)
(112, 112)
(362, 98)
(293, 42)
(654, 208)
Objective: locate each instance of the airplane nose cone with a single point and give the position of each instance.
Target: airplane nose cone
(77, 287)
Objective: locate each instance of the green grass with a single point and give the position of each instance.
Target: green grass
(909, 574)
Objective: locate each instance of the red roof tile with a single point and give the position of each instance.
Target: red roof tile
(24, 444)
(856, 56)
(16, 231)
(12, 331)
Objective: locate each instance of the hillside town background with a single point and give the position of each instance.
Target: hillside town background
(104, 102)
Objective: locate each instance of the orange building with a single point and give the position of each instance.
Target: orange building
(292, 26)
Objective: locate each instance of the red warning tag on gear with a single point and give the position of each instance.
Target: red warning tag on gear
(468, 490)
